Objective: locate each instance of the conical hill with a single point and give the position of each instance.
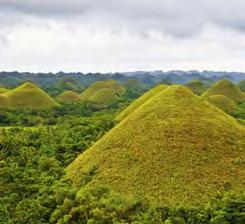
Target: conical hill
(108, 84)
(69, 97)
(174, 149)
(28, 95)
(140, 101)
(226, 88)
(3, 90)
(224, 103)
(196, 86)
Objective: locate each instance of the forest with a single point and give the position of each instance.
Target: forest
(42, 180)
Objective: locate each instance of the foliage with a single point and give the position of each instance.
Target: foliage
(196, 86)
(175, 148)
(32, 162)
(27, 95)
(69, 97)
(226, 88)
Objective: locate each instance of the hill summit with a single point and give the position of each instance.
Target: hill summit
(175, 149)
(102, 93)
(140, 101)
(226, 88)
(69, 97)
(28, 95)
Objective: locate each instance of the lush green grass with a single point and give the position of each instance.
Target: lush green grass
(103, 98)
(175, 149)
(69, 97)
(27, 95)
(224, 103)
(196, 86)
(103, 93)
(3, 90)
(140, 101)
(226, 88)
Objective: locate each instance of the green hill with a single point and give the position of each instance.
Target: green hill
(175, 149)
(242, 85)
(3, 90)
(103, 98)
(226, 88)
(69, 97)
(102, 93)
(28, 95)
(224, 103)
(196, 86)
(140, 101)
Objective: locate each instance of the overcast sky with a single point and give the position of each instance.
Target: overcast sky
(122, 35)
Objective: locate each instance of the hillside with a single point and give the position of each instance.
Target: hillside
(224, 103)
(141, 100)
(69, 97)
(28, 95)
(102, 93)
(175, 149)
(3, 90)
(196, 86)
(103, 98)
(226, 88)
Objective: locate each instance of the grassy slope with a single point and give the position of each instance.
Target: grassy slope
(29, 95)
(110, 84)
(3, 90)
(196, 86)
(140, 101)
(226, 88)
(224, 103)
(69, 96)
(176, 148)
(103, 97)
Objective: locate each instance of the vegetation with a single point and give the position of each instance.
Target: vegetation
(196, 86)
(69, 97)
(27, 95)
(242, 85)
(174, 158)
(103, 93)
(226, 88)
(224, 103)
(140, 101)
(152, 153)
(3, 90)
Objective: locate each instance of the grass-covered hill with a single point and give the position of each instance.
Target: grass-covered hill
(175, 149)
(196, 86)
(140, 101)
(103, 98)
(3, 90)
(226, 88)
(102, 92)
(27, 95)
(69, 97)
(224, 103)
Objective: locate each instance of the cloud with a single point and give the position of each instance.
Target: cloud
(109, 35)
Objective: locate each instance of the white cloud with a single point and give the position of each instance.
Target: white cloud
(121, 35)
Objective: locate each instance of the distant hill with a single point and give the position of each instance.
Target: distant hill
(69, 97)
(28, 95)
(242, 85)
(226, 88)
(224, 103)
(140, 101)
(175, 149)
(103, 93)
(196, 86)
(147, 78)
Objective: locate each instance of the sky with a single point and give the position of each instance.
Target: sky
(122, 35)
